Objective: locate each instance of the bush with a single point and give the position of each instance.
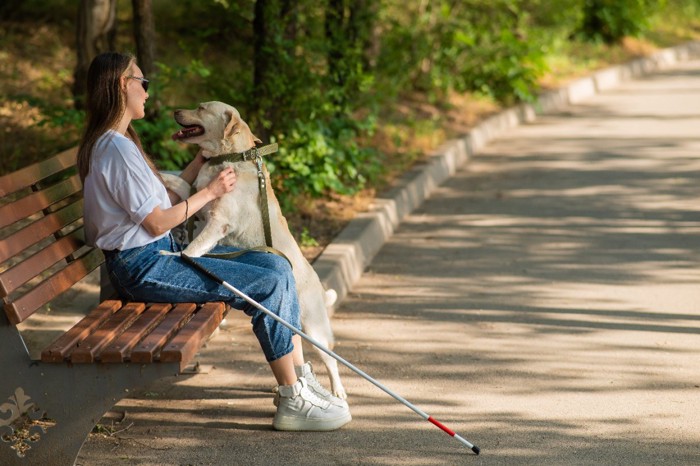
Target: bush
(611, 20)
(490, 47)
(317, 157)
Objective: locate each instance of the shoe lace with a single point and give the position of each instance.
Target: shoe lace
(311, 396)
(316, 385)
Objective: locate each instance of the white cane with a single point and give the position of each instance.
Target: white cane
(318, 345)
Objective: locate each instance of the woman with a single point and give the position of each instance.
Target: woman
(129, 215)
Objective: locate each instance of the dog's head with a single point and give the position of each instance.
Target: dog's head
(216, 127)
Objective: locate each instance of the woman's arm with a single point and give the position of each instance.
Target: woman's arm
(189, 174)
(160, 221)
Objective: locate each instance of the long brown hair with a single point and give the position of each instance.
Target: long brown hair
(106, 104)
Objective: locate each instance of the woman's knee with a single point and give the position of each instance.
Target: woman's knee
(272, 262)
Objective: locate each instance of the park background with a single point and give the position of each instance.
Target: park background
(354, 91)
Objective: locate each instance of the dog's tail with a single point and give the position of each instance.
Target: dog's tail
(177, 185)
(330, 297)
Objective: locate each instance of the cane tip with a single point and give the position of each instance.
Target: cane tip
(476, 449)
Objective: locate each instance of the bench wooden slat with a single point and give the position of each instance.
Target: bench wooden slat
(43, 254)
(60, 349)
(21, 308)
(120, 350)
(115, 325)
(184, 346)
(42, 228)
(35, 202)
(29, 175)
(18, 275)
(145, 352)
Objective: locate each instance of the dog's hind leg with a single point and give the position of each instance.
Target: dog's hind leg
(322, 332)
(332, 367)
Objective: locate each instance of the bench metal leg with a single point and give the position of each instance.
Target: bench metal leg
(48, 410)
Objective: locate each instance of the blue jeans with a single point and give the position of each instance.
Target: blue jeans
(143, 274)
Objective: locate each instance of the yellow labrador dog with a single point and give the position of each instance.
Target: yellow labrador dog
(235, 219)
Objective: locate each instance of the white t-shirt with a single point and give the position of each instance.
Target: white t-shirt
(119, 192)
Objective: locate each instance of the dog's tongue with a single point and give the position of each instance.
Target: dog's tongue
(188, 132)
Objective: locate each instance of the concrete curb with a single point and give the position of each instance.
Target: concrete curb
(343, 261)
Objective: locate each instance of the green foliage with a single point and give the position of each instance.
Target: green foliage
(316, 66)
(156, 130)
(155, 136)
(611, 20)
(489, 47)
(306, 239)
(317, 157)
(38, 10)
(66, 118)
(60, 116)
(301, 90)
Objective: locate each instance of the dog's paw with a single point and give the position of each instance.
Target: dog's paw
(340, 393)
(194, 252)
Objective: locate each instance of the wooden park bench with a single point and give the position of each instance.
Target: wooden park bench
(48, 406)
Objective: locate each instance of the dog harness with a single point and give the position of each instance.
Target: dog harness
(254, 155)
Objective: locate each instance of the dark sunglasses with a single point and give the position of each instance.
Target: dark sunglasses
(144, 81)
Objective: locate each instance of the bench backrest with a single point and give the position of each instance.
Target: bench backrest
(42, 244)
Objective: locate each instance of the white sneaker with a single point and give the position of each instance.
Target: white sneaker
(307, 371)
(314, 385)
(301, 409)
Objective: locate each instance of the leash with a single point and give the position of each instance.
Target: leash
(233, 255)
(254, 155)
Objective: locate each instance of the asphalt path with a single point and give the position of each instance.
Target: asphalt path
(543, 303)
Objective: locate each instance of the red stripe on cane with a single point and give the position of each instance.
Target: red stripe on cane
(441, 425)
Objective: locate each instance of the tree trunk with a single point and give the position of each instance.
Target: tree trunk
(275, 27)
(261, 58)
(337, 41)
(259, 45)
(145, 38)
(363, 30)
(96, 30)
(348, 27)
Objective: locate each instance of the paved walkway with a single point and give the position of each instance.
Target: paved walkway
(543, 303)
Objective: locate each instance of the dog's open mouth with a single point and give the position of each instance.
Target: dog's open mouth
(188, 132)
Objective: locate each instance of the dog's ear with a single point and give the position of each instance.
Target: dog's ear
(232, 125)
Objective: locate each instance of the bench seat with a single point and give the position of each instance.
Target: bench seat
(48, 406)
(119, 332)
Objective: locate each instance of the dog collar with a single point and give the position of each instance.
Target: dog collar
(251, 154)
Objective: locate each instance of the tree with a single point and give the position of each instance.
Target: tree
(348, 27)
(611, 20)
(274, 70)
(145, 37)
(96, 31)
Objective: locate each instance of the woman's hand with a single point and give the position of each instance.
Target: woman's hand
(160, 221)
(223, 183)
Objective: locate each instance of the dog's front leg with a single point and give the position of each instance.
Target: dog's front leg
(215, 228)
